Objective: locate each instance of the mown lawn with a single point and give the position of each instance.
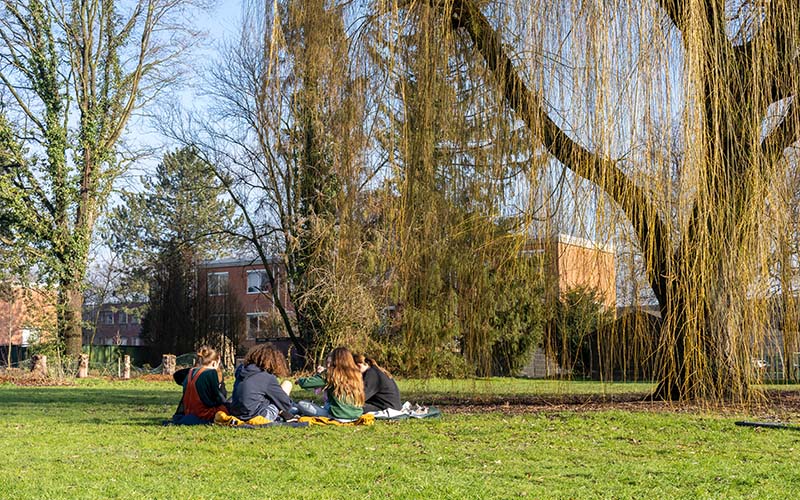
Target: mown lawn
(103, 439)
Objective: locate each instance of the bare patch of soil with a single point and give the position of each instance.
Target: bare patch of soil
(775, 405)
(25, 379)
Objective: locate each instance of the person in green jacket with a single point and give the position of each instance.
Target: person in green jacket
(343, 384)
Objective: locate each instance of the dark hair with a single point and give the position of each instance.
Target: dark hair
(360, 358)
(268, 358)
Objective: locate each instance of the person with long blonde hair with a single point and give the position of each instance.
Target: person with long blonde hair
(202, 398)
(343, 384)
(256, 390)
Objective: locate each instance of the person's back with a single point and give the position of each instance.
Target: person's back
(343, 385)
(380, 390)
(256, 390)
(202, 398)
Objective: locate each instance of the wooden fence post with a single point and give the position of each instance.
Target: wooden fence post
(168, 364)
(83, 366)
(126, 367)
(39, 365)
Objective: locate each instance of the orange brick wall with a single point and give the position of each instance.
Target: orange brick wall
(26, 308)
(582, 263)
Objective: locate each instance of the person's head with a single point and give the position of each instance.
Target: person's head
(344, 377)
(361, 362)
(364, 363)
(269, 359)
(208, 357)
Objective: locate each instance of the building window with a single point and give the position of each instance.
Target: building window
(217, 283)
(264, 325)
(134, 319)
(122, 318)
(106, 317)
(29, 336)
(257, 281)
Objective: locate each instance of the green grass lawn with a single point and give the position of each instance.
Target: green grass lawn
(102, 439)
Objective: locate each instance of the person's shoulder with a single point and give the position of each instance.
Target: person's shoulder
(180, 375)
(210, 373)
(265, 375)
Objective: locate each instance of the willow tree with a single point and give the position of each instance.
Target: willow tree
(73, 73)
(284, 134)
(452, 245)
(720, 72)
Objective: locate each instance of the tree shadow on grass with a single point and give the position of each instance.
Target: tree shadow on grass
(80, 398)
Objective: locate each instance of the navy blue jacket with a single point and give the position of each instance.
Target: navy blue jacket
(254, 390)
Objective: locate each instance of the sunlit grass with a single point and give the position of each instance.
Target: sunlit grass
(520, 387)
(101, 439)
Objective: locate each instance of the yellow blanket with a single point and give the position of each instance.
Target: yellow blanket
(222, 418)
(366, 419)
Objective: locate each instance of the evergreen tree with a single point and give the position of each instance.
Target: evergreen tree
(452, 254)
(179, 219)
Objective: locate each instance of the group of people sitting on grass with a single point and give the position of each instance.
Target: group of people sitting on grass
(353, 384)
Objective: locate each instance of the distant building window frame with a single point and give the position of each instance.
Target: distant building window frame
(257, 281)
(217, 284)
(122, 318)
(254, 323)
(106, 317)
(28, 336)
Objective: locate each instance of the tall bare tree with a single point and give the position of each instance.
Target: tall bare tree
(284, 136)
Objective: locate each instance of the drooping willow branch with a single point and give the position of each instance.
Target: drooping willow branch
(605, 173)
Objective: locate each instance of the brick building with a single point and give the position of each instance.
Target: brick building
(238, 290)
(113, 324)
(27, 315)
(572, 262)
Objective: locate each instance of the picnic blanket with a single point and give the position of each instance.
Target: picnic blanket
(408, 410)
(222, 418)
(365, 419)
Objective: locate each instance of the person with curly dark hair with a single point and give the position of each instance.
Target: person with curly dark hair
(256, 390)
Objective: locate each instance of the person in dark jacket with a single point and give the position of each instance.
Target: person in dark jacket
(256, 390)
(380, 389)
(202, 398)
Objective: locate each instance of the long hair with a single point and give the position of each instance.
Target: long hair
(269, 359)
(360, 358)
(207, 355)
(344, 377)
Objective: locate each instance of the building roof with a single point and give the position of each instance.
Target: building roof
(236, 262)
